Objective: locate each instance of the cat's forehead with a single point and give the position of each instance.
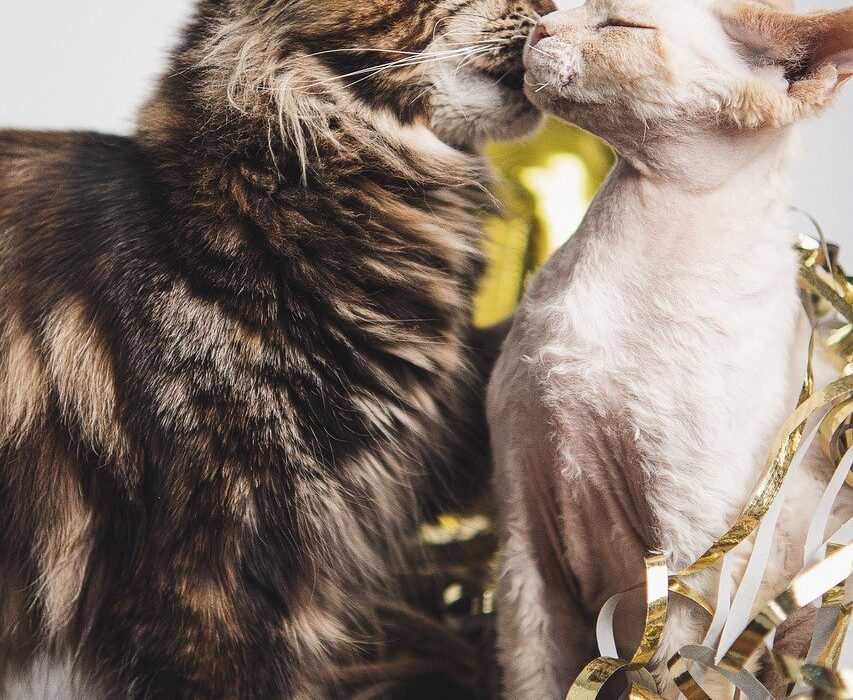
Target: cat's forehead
(665, 11)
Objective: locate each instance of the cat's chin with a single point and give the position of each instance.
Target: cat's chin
(551, 100)
(473, 108)
(516, 115)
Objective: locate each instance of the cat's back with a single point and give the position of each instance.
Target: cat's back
(79, 185)
(74, 208)
(52, 156)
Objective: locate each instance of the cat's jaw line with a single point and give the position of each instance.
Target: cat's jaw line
(706, 160)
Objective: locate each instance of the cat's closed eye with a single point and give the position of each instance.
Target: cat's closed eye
(617, 23)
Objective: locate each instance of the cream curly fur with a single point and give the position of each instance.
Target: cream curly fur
(658, 352)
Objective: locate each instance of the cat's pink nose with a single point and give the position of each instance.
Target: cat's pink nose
(539, 34)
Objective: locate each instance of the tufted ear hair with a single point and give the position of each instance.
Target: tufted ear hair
(814, 51)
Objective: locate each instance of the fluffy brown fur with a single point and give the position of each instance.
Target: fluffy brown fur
(235, 357)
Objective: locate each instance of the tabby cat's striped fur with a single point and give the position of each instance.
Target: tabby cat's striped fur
(234, 349)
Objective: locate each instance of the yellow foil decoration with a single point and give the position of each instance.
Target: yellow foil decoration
(545, 184)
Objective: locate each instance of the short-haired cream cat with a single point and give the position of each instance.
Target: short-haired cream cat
(659, 351)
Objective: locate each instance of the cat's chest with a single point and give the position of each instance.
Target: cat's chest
(655, 380)
(630, 306)
(688, 349)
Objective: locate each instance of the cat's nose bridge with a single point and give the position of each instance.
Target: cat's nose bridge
(554, 24)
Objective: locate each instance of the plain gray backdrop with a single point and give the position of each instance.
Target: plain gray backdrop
(74, 64)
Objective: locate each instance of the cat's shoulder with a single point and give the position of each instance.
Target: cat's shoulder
(562, 332)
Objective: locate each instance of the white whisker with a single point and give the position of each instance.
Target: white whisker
(408, 61)
(360, 49)
(545, 53)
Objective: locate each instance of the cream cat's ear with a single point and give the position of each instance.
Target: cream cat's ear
(779, 4)
(814, 53)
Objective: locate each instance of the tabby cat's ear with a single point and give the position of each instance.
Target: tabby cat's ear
(813, 52)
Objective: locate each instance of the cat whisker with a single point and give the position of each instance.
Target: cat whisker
(464, 62)
(492, 36)
(417, 97)
(452, 32)
(535, 17)
(437, 25)
(474, 32)
(470, 15)
(360, 49)
(462, 109)
(479, 42)
(467, 60)
(504, 75)
(538, 86)
(547, 54)
(407, 61)
(370, 73)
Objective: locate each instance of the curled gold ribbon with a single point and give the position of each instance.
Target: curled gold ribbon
(834, 597)
(640, 692)
(685, 681)
(657, 592)
(596, 673)
(682, 589)
(784, 449)
(815, 282)
(690, 687)
(835, 684)
(827, 682)
(807, 587)
(592, 678)
(836, 431)
(831, 654)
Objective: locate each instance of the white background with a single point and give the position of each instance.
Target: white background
(89, 64)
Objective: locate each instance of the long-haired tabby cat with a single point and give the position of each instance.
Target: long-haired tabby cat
(234, 349)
